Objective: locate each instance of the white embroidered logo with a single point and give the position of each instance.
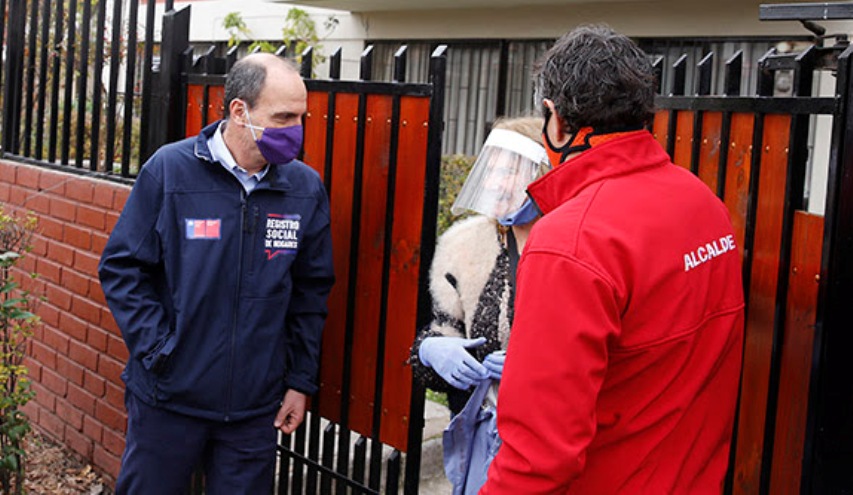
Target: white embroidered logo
(282, 235)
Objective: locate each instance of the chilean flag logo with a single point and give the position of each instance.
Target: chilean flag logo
(203, 228)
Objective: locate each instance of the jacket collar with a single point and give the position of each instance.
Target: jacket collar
(274, 178)
(620, 156)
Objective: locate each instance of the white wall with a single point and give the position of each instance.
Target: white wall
(661, 18)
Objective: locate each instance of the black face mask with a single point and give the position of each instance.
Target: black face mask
(558, 155)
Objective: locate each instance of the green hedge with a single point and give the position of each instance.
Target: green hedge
(454, 171)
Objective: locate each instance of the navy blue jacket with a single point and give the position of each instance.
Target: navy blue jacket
(220, 295)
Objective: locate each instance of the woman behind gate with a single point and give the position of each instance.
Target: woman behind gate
(472, 281)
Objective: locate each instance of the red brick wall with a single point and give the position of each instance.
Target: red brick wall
(77, 355)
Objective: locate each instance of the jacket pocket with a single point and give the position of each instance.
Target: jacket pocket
(156, 360)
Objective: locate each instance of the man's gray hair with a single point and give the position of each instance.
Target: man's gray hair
(247, 76)
(597, 78)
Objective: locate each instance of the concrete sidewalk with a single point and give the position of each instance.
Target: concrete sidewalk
(433, 481)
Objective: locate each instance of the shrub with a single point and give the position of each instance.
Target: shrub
(17, 322)
(454, 171)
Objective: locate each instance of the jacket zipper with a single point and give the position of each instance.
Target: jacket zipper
(253, 226)
(244, 207)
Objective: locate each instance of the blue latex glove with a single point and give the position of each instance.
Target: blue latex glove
(494, 362)
(450, 359)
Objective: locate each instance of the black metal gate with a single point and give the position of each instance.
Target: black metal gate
(794, 431)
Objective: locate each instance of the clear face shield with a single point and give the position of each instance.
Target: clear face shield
(496, 186)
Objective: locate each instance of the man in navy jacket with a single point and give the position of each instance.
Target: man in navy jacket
(217, 273)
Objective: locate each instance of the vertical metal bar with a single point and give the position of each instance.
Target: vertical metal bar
(148, 81)
(765, 88)
(14, 77)
(359, 460)
(205, 103)
(437, 76)
(732, 88)
(43, 69)
(328, 458)
(680, 70)
(313, 450)
(334, 73)
(335, 64)
(130, 92)
(798, 153)
(366, 64)
(307, 66)
(95, 146)
(355, 236)
(31, 80)
(657, 67)
(298, 464)
(112, 91)
(283, 464)
(828, 456)
(705, 69)
(58, 35)
(175, 51)
(734, 68)
(231, 57)
(82, 85)
(2, 68)
(392, 476)
(400, 61)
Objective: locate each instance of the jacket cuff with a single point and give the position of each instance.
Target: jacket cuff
(307, 387)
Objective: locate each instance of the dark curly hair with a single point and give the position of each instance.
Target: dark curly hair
(597, 78)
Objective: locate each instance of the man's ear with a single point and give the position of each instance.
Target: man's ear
(237, 111)
(556, 126)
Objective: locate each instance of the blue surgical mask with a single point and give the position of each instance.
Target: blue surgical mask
(524, 215)
(277, 144)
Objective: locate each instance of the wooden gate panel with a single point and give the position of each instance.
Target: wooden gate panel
(709, 148)
(405, 259)
(660, 127)
(341, 205)
(683, 139)
(200, 114)
(316, 120)
(368, 296)
(797, 346)
(738, 167)
(762, 302)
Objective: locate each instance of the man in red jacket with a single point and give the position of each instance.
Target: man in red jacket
(622, 370)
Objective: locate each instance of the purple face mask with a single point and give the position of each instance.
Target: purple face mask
(278, 145)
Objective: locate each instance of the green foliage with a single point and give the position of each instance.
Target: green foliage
(238, 30)
(299, 32)
(454, 171)
(438, 397)
(236, 27)
(17, 321)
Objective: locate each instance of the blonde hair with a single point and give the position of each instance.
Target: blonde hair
(530, 127)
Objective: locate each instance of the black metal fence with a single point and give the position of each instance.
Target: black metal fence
(77, 82)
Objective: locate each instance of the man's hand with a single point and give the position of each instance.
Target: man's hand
(292, 412)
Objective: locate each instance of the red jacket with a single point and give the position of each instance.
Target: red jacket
(623, 362)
